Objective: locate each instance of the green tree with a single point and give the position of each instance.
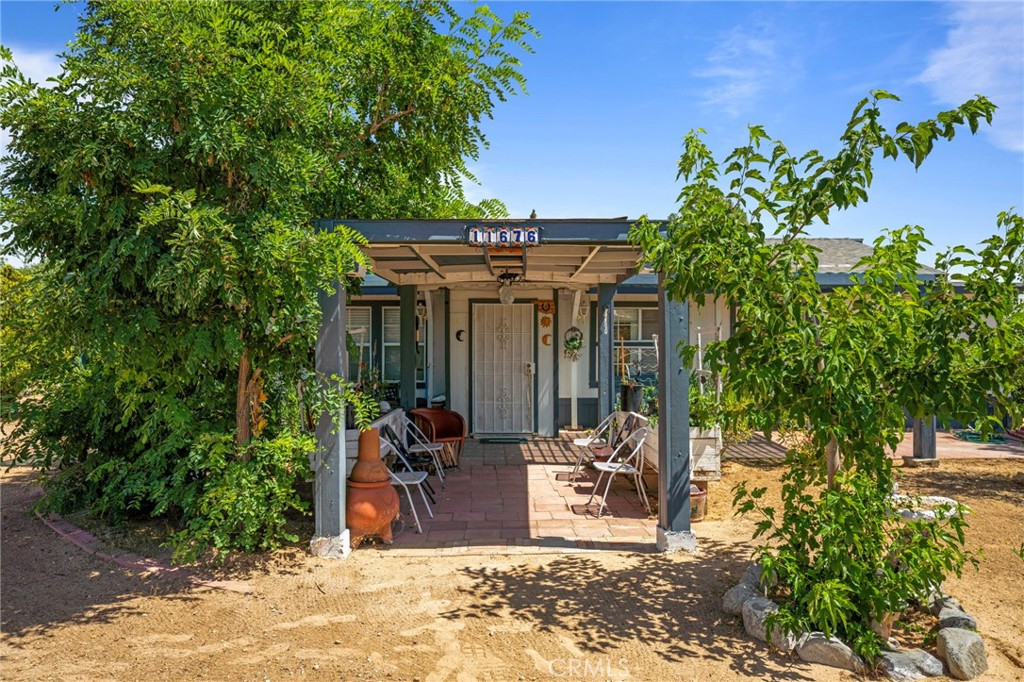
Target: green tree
(169, 181)
(15, 321)
(842, 367)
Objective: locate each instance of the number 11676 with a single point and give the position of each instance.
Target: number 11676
(504, 236)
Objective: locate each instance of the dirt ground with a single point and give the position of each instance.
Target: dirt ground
(590, 616)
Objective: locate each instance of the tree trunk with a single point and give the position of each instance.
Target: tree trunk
(242, 426)
(833, 461)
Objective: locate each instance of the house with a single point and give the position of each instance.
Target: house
(475, 315)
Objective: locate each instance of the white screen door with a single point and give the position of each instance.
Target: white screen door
(503, 368)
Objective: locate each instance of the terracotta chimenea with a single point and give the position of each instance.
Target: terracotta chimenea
(372, 503)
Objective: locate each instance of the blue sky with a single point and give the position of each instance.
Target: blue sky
(613, 87)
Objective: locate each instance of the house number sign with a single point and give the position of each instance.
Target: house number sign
(503, 236)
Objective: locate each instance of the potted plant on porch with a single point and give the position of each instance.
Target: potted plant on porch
(631, 395)
(631, 391)
(371, 503)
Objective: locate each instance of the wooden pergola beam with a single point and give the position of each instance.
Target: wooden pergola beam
(487, 260)
(593, 252)
(480, 277)
(389, 275)
(429, 261)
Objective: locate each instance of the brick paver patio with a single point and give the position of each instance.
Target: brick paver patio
(518, 497)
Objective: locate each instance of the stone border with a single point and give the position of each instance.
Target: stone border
(89, 543)
(959, 645)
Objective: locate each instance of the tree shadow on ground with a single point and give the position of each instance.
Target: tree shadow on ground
(672, 603)
(46, 582)
(995, 484)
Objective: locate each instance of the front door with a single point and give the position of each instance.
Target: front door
(503, 368)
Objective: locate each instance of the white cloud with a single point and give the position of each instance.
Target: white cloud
(36, 64)
(743, 64)
(984, 54)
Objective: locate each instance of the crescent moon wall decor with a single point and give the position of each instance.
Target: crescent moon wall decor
(546, 339)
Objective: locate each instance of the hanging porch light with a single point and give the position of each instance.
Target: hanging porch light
(505, 282)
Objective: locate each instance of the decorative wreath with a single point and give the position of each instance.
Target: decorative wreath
(572, 343)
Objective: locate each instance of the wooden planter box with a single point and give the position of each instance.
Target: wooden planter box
(705, 454)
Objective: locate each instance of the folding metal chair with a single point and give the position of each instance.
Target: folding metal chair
(407, 478)
(598, 437)
(601, 449)
(631, 465)
(422, 445)
(414, 461)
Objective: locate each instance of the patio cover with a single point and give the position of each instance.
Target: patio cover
(435, 253)
(575, 253)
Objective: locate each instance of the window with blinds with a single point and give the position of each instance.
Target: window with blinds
(391, 342)
(358, 324)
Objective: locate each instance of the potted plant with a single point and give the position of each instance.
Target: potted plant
(650, 407)
(631, 395)
(371, 503)
(706, 411)
(369, 389)
(631, 391)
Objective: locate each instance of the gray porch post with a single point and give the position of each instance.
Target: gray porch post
(674, 532)
(605, 350)
(924, 438)
(407, 336)
(331, 537)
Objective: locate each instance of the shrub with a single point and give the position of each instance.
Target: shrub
(238, 503)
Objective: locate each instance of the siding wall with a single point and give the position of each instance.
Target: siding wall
(713, 313)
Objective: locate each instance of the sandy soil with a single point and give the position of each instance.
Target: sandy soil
(595, 616)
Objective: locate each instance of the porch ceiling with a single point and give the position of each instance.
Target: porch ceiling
(442, 265)
(435, 253)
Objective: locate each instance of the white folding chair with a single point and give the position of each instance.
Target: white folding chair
(422, 444)
(604, 450)
(598, 437)
(407, 478)
(631, 465)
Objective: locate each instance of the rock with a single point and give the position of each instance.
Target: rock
(942, 603)
(935, 593)
(733, 600)
(754, 612)
(937, 501)
(950, 617)
(817, 648)
(782, 640)
(910, 664)
(753, 577)
(916, 515)
(963, 651)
